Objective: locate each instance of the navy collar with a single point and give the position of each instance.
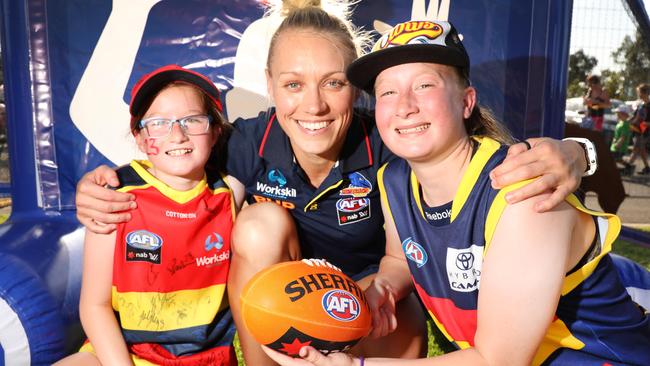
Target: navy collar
(356, 153)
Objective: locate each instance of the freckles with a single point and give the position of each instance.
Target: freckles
(152, 149)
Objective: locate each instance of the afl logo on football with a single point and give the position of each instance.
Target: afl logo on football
(352, 204)
(341, 305)
(414, 252)
(143, 239)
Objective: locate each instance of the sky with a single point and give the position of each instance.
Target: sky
(598, 28)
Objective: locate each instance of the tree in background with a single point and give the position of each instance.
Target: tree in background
(613, 83)
(580, 65)
(634, 58)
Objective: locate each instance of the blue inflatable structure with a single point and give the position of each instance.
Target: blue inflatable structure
(69, 66)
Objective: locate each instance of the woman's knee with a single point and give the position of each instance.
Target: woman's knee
(412, 327)
(264, 230)
(80, 358)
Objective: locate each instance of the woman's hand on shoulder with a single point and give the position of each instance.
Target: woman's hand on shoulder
(100, 208)
(558, 166)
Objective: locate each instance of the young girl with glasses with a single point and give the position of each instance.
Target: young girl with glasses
(162, 298)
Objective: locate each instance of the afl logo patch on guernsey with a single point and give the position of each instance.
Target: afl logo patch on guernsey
(341, 305)
(350, 210)
(414, 252)
(143, 246)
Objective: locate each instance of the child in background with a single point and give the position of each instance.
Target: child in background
(162, 299)
(622, 134)
(640, 130)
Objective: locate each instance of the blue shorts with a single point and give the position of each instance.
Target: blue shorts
(371, 269)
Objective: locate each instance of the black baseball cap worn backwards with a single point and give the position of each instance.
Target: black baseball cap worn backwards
(413, 41)
(151, 83)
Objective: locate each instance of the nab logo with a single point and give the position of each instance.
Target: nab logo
(341, 305)
(414, 252)
(352, 204)
(143, 239)
(217, 243)
(276, 176)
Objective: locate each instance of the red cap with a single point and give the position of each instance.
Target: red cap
(153, 82)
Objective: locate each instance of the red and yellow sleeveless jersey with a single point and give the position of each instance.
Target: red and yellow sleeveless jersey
(171, 263)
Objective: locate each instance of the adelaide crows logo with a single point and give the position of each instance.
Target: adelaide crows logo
(359, 186)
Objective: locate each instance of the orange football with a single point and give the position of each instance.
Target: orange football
(308, 302)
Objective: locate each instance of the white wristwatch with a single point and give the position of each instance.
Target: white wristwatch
(590, 154)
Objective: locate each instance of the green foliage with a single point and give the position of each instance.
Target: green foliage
(580, 65)
(635, 252)
(438, 343)
(240, 355)
(613, 83)
(634, 57)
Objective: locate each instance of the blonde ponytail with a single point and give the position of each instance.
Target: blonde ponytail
(292, 5)
(330, 18)
(483, 123)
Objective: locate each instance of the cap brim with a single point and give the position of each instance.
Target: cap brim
(156, 82)
(363, 71)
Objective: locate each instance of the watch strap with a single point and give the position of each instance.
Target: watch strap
(590, 154)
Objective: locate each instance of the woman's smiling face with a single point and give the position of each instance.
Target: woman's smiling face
(313, 99)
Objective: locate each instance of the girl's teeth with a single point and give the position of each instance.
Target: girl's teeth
(179, 152)
(413, 129)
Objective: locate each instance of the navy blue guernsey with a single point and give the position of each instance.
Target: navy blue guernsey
(596, 322)
(341, 220)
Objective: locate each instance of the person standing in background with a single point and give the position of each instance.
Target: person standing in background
(640, 131)
(622, 133)
(596, 100)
